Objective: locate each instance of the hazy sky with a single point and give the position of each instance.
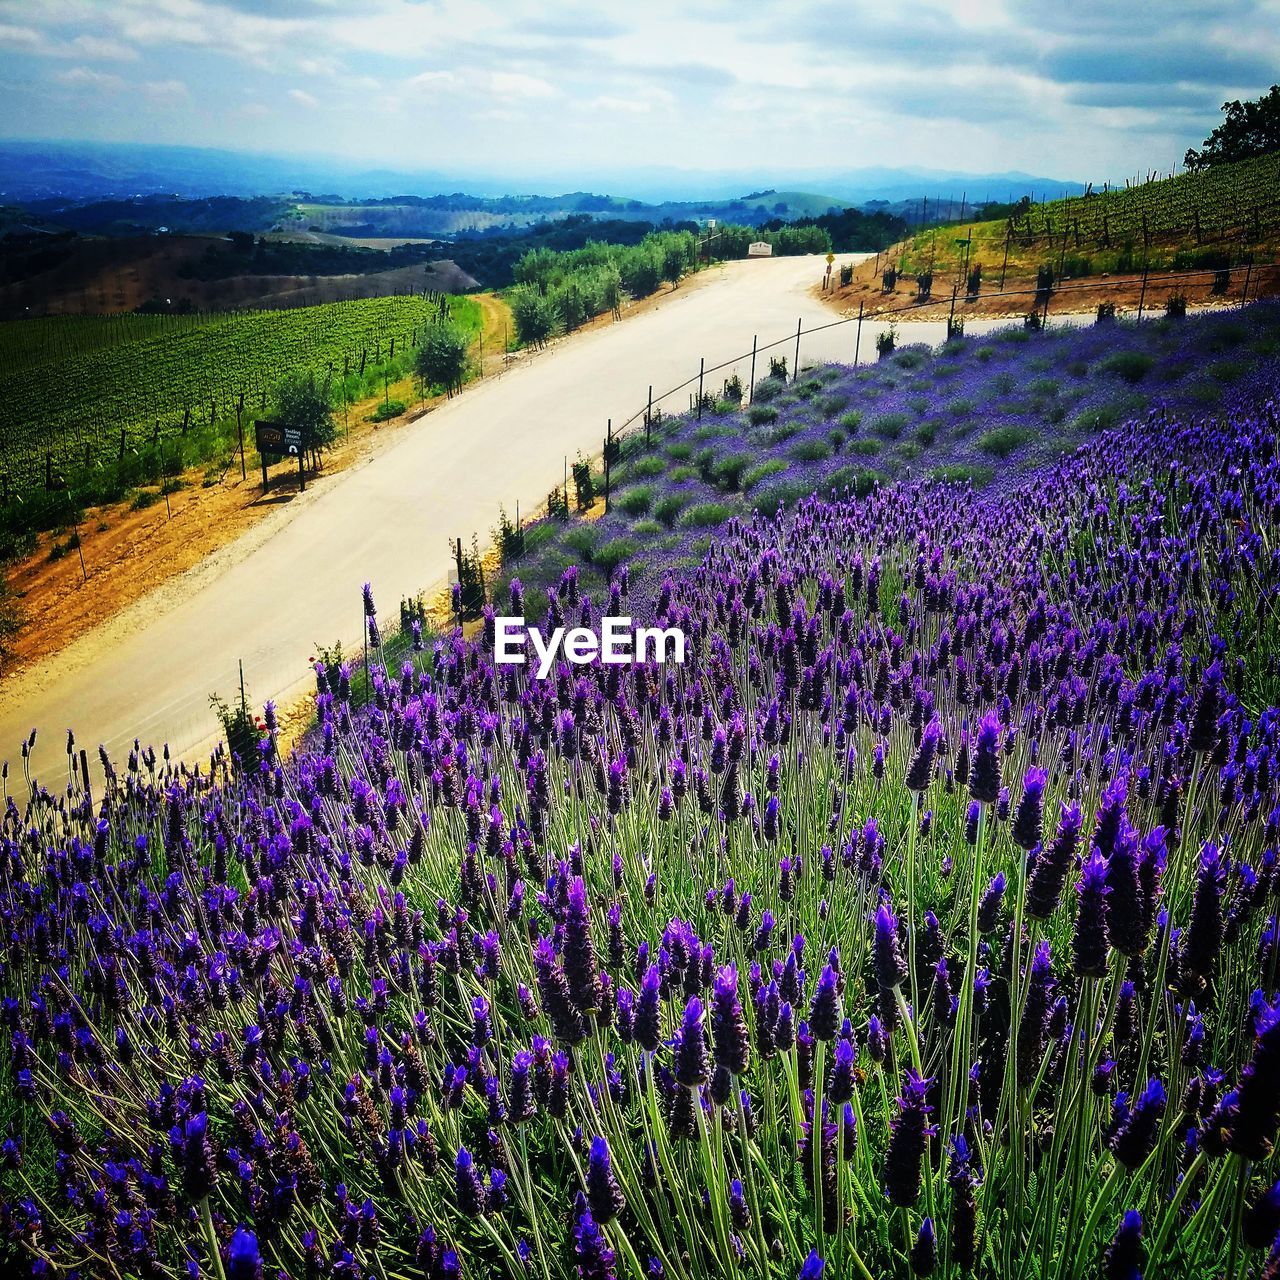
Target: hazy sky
(1073, 88)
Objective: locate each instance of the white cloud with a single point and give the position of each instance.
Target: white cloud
(102, 50)
(166, 92)
(303, 98)
(27, 38)
(88, 79)
(515, 84)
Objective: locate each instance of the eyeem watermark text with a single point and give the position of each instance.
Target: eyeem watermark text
(616, 642)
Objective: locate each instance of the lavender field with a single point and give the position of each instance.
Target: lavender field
(923, 923)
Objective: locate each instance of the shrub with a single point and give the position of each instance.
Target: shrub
(703, 515)
(857, 480)
(1106, 312)
(581, 540)
(960, 408)
(510, 539)
(889, 426)
(615, 552)
(867, 448)
(583, 484)
(811, 451)
(1132, 366)
(386, 410)
(778, 368)
(680, 451)
(912, 358)
(767, 389)
(889, 279)
(927, 433)
(636, 501)
(679, 475)
(924, 286)
(667, 509)
(851, 421)
(886, 340)
(646, 528)
(646, 468)
(830, 405)
(758, 414)
(1175, 306)
(771, 498)
(962, 472)
(762, 471)
(1001, 442)
(846, 274)
(837, 438)
(729, 471)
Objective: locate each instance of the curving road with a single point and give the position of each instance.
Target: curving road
(293, 581)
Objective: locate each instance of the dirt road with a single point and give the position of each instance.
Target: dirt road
(293, 581)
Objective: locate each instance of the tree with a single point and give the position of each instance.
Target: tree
(535, 315)
(1250, 129)
(302, 405)
(443, 359)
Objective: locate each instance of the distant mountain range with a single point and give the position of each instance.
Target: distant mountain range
(76, 171)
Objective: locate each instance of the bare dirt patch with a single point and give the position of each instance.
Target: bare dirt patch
(1017, 297)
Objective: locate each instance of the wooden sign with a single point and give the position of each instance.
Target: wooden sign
(275, 438)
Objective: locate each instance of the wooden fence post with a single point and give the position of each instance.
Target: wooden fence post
(751, 393)
(702, 364)
(857, 343)
(795, 373)
(608, 461)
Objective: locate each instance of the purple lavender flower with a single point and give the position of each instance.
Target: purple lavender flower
(920, 774)
(1028, 820)
(1089, 942)
(1135, 1138)
(580, 963)
(825, 1009)
(924, 1252)
(812, 1267)
(1124, 1256)
(595, 1257)
(1053, 864)
(890, 966)
(468, 1185)
(604, 1195)
(984, 773)
(963, 1180)
(728, 1026)
(1253, 1129)
(244, 1259)
(1262, 1218)
(692, 1066)
(908, 1141)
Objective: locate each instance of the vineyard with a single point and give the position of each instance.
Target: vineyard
(87, 402)
(1215, 218)
(1229, 202)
